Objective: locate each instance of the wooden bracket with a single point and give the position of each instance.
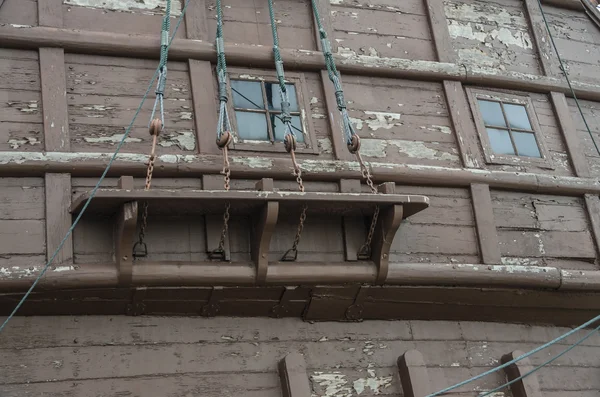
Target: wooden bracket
(137, 306)
(413, 374)
(212, 307)
(125, 228)
(292, 372)
(387, 225)
(264, 226)
(356, 309)
(283, 308)
(526, 387)
(353, 226)
(214, 222)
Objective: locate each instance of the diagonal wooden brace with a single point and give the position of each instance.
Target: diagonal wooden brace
(387, 225)
(264, 226)
(125, 228)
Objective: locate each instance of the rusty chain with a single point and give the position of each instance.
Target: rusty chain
(364, 251)
(223, 144)
(292, 254)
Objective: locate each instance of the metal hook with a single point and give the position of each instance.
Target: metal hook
(217, 254)
(290, 255)
(140, 250)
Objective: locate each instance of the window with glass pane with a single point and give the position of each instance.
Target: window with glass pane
(508, 128)
(257, 107)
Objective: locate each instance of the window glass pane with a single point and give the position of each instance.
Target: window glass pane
(247, 94)
(492, 113)
(526, 144)
(252, 126)
(500, 141)
(279, 129)
(274, 96)
(517, 116)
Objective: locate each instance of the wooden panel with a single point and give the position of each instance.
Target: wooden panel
(58, 217)
(439, 29)
(22, 237)
(576, 154)
(19, 12)
(50, 13)
(486, 227)
(547, 243)
(22, 198)
(54, 101)
(205, 101)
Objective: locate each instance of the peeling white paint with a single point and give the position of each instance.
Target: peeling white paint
(148, 6)
(376, 120)
(378, 148)
(314, 100)
(185, 140)
(16, 143)
(63, 268)
(325, 145)
(335, 384)
(487, 13)
(318, 116)
(17, 272)
(185, 115)
(441, 128)
(376, 384)
(519, 262)
(253, 162)
(112, 139)
(458, 29)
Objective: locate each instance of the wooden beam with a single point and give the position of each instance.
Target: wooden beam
(463, 126)
(50, 13)
(196, 24)
(58, 217)
(292, 373)
(264, 226)
(489, 245)
(546, 55)
(353, 226)
(568, 4)
(439, 31)
(592, 204)
(570, 135)
(54, 99)
(413, 374)
(125, 228)
(526, 387)
(204, 97)
(340, 149)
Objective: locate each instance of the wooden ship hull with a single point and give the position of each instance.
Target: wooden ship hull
(475, 256)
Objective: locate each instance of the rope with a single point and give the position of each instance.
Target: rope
(93, 192)
(532, 352)
(568, 349)
(562, 67)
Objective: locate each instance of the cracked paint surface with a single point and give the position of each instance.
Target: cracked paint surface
(147, 6)
(378, 148)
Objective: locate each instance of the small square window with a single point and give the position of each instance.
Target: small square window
(256, 111)
(508, 128)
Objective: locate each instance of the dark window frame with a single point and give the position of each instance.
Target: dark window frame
(504, 159)
(309, 145)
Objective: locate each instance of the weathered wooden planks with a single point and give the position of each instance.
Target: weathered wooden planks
(58, 217)
(54, 101)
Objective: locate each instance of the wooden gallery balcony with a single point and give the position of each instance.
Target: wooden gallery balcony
(263, 206)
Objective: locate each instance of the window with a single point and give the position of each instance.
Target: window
(255, 111)
(508, 128)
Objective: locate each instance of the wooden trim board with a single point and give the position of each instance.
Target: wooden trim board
(489, 246)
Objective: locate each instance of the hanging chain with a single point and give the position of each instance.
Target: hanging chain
(292, 254)
(364, 251)
(219, 253)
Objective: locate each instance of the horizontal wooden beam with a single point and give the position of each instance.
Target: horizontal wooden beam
(568, 4)
(15, 164)
(193, 274)
(102, 43)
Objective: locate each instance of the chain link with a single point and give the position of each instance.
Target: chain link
(364, 251)
(292, 254)
(226, 183)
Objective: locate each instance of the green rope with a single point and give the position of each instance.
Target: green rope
(223, 123)
(562, 66)
(95, 189)
(276, 52)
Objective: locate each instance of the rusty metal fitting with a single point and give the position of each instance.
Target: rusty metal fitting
(155, 127)
(354, 146)
(289, 142)
(224, 140)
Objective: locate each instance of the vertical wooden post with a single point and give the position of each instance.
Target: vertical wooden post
(50, 13)
(204, 97)
(486, 227)
(413, 374)
(292, 372)
(58, 217)
(565, 122)
(439, 31)
(464, 128)
(592, 203)
(546, 54)
(54, 99)
(196, 26)
(526, 387)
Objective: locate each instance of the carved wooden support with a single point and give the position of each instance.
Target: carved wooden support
(213, 223)
(292, 373)
(264, 226)
(388, 223)
(283, 307)
(413, 374)
(212, 307)
(125, 228)
(526, 387)
(353, 226)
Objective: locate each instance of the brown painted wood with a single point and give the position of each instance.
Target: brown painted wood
(54, 99)
(353, 226)
(213, 223)
(196, 24)
(387, 225)
(263, 231)
(293, 376)
(205, 106)
(125, 228)
(340, 149)
(546, 55)
(413, 374)
(486, 226)
(464, 129)
(567, 4)
(439, 30)
(58, 218)
(592, 204)
(50, 13)
(569, 133)
(526, 387)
